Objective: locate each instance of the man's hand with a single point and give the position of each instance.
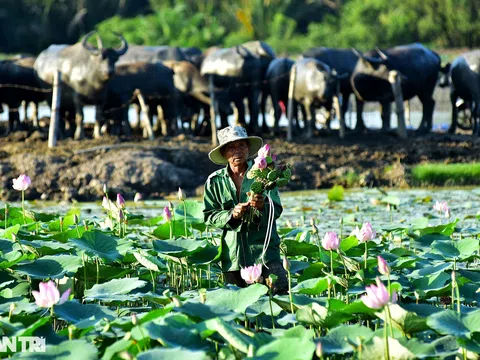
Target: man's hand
(257, 202)
(239, 210)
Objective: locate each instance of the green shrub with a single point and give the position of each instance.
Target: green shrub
(336, 193)
(447, 174)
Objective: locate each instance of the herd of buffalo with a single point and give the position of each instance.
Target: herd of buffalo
(188, 85)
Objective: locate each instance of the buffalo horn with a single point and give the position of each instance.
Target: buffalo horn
(123, 49)
(381, 53)
(86, 45)
(99, 42)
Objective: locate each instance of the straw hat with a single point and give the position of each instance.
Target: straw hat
(231, 134)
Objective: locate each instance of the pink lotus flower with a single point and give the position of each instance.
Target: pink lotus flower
(274, 157)
(366, 233)
(286, 263)
(120, 201)
(251, 274)
(260, 162)
(394, 297)
(447, 213)
(264, 151)
(181, 194)
(167, 215)
(49, 295)
(22, 182)
(377, 296)
(330, 241)
(383, 267)
(441, 206)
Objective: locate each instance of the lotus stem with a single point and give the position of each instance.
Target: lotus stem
(84, 272)
(270, 303)
(98, 269)
(290, 290)
(23, 206)
(366, 255)
(6, 216)
(331, 262)
(171, 229)
(153, 280)
(185, 217)
(387, 350)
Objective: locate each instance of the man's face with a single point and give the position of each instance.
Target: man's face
(236, 152)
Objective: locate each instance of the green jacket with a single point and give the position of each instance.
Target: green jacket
(241, 245)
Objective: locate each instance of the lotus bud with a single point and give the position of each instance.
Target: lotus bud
(447, 213)
(318, 350)
(170, 206)
(314, 229)
(85, 225)
(312, 221)
(176, 301)
(60, 219)
(75, 219)
(330, 241)
(394, 297)
(71, 329)
(167, 215)
(377, 296)
(134, 319)
(389, 208)
(125, 355)
(105, 189)
(181, 194)
(121, 215)
(12, 308)
(203, 295)
(383, 267)
(137, 198)
(454, 281)
(286, 263)
(120, 201)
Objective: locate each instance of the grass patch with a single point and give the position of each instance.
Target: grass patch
(336, 193)
(447, 174)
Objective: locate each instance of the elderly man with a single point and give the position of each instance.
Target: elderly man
(226, 203)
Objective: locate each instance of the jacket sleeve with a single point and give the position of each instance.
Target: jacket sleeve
(218, 213)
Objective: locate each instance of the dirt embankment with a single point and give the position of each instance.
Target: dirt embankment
(78, 169)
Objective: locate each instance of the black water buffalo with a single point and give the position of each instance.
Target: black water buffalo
(236, 74)
(194, 55)
(85, 71)
(278, 80)
(152, 54)
(315, 86)
(344, 62)
(419, 68)
(19, 82)
(465, 84)
(156, 84)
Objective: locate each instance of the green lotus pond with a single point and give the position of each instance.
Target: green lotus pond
(150, 289)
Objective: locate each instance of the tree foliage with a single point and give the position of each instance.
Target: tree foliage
(290, 26)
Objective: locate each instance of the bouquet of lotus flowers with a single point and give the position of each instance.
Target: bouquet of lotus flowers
(267, 176)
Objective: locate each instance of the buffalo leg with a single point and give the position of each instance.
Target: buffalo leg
(309, 120)
(79, 131)
(35, 114)
(263, 107)
(427, 116)
(453, 101)
(240, 107)
(277, 110)
(13, 119)
(360, 126)
(476, 117)
(253, 110)
(386, 113)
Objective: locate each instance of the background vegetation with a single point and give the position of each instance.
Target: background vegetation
(290, 26)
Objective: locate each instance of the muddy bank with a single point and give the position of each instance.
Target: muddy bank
(77, 170)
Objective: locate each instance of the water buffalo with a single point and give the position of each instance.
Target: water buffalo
(156, 84)
(344, 62)
(278, 79)
(18, 82)
(315, 86)
(85, 71)
(236, 74)
(152, 54)
(465, 84)
(419, 68)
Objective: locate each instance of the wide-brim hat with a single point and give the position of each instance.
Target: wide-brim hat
(229, 135)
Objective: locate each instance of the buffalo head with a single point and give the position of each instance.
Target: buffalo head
(378, 67)
(104, 58)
